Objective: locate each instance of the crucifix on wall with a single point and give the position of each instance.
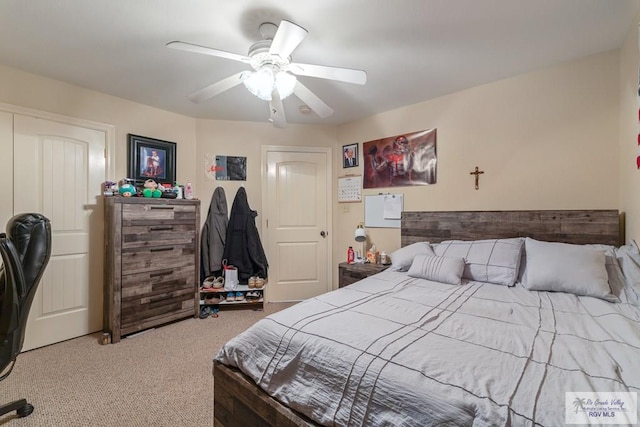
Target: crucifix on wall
(477, 173)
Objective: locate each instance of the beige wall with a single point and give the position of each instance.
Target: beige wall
(31, 91)
(628, 122)
(546, 140)
(231, 138)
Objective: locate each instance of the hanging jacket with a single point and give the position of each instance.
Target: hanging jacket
(214, 233)
(243, 248)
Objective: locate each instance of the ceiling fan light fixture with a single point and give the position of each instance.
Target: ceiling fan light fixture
(285, 82)
(260, 83)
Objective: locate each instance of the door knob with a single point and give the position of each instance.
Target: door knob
(323, 234)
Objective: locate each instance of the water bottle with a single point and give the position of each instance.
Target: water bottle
(188, 191)
(350, 255)
(178, 190)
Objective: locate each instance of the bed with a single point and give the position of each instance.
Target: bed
(401, 349)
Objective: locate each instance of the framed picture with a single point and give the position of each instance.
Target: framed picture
(151, 159)
(349, 155)
(401, 160)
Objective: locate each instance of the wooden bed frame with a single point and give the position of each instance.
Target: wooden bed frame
(238, 401)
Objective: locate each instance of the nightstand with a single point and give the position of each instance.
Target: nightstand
(350, 273)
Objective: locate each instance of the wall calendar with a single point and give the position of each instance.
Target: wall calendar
(350, 189)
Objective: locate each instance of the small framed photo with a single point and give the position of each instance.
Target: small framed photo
(151, 159)
(350, 155)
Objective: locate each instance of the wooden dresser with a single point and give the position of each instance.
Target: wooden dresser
(152, 263)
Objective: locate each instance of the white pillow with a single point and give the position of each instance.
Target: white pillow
(562, 267)
(437, 268)
(402, 258)
(494, 261)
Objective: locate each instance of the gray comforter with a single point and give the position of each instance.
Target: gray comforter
(394, 350)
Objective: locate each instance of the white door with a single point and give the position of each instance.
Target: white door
(58, 170)
(296, 223)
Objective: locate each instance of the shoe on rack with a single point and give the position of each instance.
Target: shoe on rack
(239, 296)
(213, 282)
(212, 298)
(218, 283)
(252, 282)
(252, 296)
(260, 282)
(208, 282)
(231, 296)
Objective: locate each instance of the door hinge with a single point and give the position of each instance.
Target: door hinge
(105, 153)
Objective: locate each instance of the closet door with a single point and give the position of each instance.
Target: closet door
(58, 171)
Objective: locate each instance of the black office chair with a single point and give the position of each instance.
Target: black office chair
(25, 250)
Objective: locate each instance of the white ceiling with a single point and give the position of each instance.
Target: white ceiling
(412, 50)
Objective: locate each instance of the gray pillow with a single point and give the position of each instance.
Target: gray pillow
(562, 267)
(436, 268)
(615, 277)
(494, 261)
(402, 259)
(629, 259)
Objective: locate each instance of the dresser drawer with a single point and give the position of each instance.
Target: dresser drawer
(158, 235)
(144, 316)
(159, 299)
(150, 214)
(158, 281)
(149, 259)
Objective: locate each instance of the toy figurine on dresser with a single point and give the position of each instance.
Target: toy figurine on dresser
(151, 189)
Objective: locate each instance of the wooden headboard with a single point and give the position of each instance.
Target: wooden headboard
(569, 226)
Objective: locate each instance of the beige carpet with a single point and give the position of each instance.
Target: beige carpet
(158, 378)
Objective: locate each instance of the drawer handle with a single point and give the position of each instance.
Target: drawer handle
(168, 248)
(161, 273)
(160, 227)
(161, 207)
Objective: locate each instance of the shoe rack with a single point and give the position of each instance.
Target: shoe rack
(244, 298)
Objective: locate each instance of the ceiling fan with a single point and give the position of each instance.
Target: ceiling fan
(274, 75)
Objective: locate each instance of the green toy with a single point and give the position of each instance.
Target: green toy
(127, 190)
(151, 189)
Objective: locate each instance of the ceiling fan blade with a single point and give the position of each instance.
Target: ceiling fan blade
(287, 38)
(310, 98)
(347, 75)
(218, 87)
(276, 111)
(189, 47)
